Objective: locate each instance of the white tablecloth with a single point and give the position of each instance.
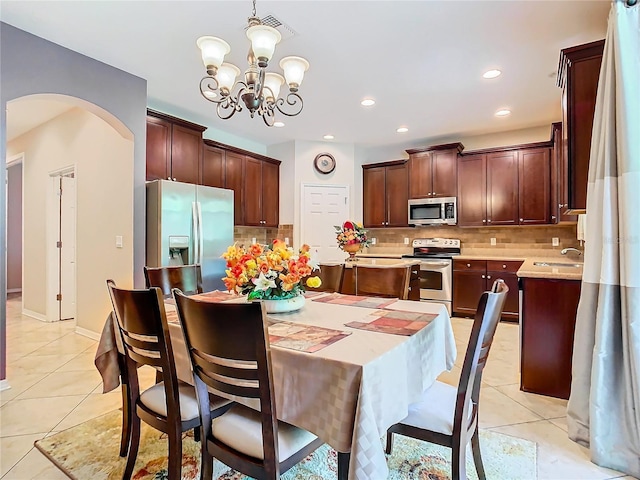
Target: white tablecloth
(350, 392)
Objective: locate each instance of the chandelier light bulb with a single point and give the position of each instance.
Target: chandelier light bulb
(213, 50)
(368, 102)
(272, 84)
(294, 68)
(263, 42)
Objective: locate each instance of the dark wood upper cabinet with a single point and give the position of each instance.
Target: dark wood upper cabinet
(261, 190)
(433, 171)
(385, 195)
(472, 190)
(213, 166)
(502, 188)
(578, 74)
(534, 186)
(174, 148)
(270, 194)
(234, 180)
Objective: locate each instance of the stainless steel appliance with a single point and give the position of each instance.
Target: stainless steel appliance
(436, 268)
(189, 224)
(433, 211)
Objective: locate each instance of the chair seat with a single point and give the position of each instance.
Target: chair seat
(154, 398)
(241, 429)
(435, 409)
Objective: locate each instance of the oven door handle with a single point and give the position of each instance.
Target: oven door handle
(434, 264)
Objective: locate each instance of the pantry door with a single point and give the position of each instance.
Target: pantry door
(323, 207)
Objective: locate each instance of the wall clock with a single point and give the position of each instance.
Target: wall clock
(324, 163)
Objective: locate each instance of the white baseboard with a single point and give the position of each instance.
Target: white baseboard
(87, 333)
(14, 290)
(4, 385)
(36, 315)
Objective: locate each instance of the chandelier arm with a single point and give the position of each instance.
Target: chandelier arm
(268, 115)
(206, 86)
(294, 100)
(231, 103)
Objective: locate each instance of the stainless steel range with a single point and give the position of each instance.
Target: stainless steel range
(436, 268)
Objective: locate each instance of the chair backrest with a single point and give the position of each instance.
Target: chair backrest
(229, 349)
(187, 278)
(392, 282)
(331, 276)
(484, 328)
(142, 323)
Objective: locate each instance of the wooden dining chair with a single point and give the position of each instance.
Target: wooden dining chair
(392, 282)
(331, 276)
(229, 349)
(188, 278)
(448, 415)
(170, 406)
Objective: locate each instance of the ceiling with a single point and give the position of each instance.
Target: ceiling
(422, 61)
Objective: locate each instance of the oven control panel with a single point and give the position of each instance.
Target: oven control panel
(436, 243)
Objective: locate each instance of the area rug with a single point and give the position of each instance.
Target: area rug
(90, 451)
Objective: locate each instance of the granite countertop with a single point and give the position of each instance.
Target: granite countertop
(381, 262)
(552, 271)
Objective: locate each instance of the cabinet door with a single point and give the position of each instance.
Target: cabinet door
(234, 180)
(158, 149)
(468, 287)
(253, 192)
(420, 175)
(534, 186)
(270, 194)
(506, 270)
(444, 173)
(502, 188)
(186, 148)
(397, 196)
(213, 166)
(472, 191)
(374, 197)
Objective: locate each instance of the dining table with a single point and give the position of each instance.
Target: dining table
(345, 368)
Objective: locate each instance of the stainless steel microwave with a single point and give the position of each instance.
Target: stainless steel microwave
(433, 211)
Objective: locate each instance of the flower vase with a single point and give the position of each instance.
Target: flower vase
(351, 249)
(284, 305)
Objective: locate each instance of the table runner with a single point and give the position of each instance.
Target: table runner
(351, 391)
(356, 300)
(394, 322)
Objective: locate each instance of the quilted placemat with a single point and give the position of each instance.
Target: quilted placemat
(304, 338)
(395, 322)
(355, 300)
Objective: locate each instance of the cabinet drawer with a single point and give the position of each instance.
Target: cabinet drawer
(503, 266)
(466, 265)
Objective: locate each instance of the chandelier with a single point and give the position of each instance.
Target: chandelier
(259, 92)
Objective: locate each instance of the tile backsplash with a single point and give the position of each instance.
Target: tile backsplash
(245, 235)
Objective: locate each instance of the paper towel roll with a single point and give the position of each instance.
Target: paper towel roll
(582, 227)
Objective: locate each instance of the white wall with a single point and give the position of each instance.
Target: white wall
(103, 162)
(14, 228)
(286, 153)
(476, 142)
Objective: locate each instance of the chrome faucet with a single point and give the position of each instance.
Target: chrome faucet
(564, 251)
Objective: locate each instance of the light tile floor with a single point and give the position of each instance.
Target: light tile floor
(54, 386)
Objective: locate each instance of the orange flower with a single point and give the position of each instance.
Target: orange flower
(304, 248)
(230, 283)
(256, 249)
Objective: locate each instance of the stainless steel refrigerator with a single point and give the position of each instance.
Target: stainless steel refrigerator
(189, 224)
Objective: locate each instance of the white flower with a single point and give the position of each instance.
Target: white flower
(314, 263)
(263, 283)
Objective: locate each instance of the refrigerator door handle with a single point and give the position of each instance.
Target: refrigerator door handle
(200, 234)
(196, 232)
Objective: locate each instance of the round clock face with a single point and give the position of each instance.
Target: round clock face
(324, 163)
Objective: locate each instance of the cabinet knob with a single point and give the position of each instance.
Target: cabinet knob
(521, 220)
(414, 271)
(489, 221)
(409, 288)
(429, 193)
(468, 265)
(489, 277)
(484, 221)
(504, 266)
(433, 193)
(483, 276)
(553, 217)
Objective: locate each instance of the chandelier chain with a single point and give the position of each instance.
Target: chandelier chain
(253, 12)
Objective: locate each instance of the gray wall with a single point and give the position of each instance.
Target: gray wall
(31, 65)
(14, 227)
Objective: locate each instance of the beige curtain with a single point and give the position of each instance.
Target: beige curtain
(604, 407)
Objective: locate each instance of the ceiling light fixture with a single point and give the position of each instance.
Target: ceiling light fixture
(402, 130)
(367, 102)
(278, 124)
(328, 137)
(503, 112)
(492, 74)
(259, 91)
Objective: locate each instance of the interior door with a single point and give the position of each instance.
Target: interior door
(68, 250)
(323, 207)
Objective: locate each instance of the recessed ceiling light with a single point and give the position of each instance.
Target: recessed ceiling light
(492, 74)
(402, 130)
(503, 112)
(328, 137)
(367, 102)
(278, 124)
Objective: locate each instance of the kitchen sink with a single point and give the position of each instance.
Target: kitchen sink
(557, 264)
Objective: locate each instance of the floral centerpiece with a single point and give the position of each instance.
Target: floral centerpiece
(351, 237)
(269, 272)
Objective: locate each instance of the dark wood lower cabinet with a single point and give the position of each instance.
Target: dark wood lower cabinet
(548, 323)
(349, 286)
(473, 277)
